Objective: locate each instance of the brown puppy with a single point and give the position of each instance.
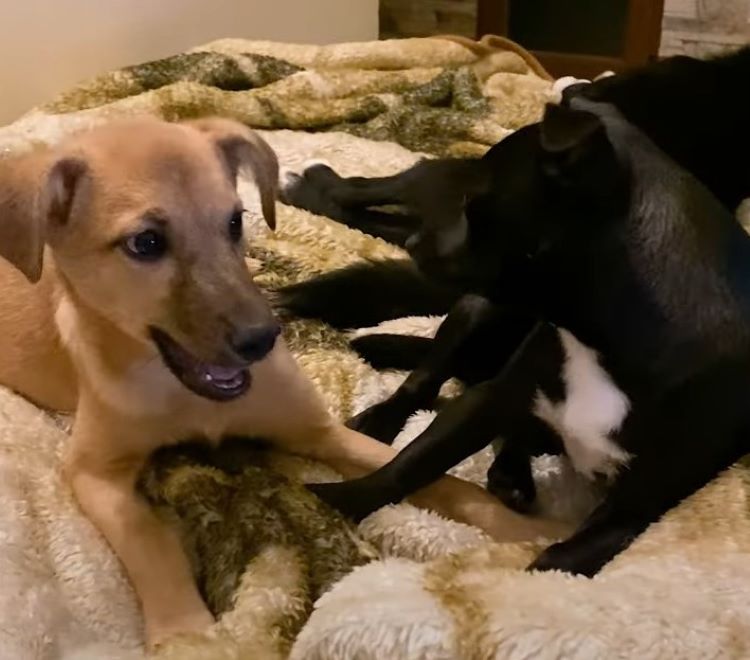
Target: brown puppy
(129, 301)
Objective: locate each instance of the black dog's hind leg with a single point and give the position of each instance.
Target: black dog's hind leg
(463, 427)
(682, 444)
(627, 511)
(475, 332)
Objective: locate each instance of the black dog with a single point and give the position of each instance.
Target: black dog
(650, 277)
(693, 109)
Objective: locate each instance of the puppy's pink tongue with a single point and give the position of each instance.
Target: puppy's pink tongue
(222, 373)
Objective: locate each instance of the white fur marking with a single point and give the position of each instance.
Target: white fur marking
(593, 408)
(563, 83)
(287, 178)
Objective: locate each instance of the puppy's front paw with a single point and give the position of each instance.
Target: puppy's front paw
(349, 497)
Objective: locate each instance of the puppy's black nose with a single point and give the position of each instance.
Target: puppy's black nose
(254, 342)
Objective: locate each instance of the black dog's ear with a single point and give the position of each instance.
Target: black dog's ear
(564, 129)
(572, 143)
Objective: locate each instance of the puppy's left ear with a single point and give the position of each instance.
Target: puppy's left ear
(243, 147)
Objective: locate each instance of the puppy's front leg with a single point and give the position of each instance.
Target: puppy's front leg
(462, 428)
(355, 455)
(148, 548)
(304, 427)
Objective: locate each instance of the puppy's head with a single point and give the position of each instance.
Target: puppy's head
(145, 227)
(550, 183)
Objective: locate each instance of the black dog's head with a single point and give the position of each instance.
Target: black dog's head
(546, 182)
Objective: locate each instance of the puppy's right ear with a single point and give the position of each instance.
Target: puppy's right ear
(242, 146)
(37, 193)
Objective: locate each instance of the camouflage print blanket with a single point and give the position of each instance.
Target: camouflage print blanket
(442, 96)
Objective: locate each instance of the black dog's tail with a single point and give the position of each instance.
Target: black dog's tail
(366, 294)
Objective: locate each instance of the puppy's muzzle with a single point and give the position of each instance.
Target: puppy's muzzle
(253, 342)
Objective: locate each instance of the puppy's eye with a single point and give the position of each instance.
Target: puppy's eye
(235, 226)
(148, 245)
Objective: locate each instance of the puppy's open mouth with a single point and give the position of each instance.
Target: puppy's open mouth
(211, 381)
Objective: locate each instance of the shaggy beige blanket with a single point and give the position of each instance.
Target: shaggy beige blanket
(441, 589)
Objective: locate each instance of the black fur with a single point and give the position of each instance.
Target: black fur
(694, 110)
(386, 351)
(337, 297)
(646, 267)
(639, 261)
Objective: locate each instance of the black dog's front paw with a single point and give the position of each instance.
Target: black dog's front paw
(354, 500)
(569, 558)
(512, 483)
(382, 421)
(306, 191)
(513, 495)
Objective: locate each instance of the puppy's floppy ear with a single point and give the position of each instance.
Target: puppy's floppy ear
(37, 194)
(241, 147)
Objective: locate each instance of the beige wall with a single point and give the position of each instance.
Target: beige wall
(47, 45)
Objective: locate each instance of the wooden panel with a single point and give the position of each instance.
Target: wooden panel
(642, 37)
(643, 34)
(581, 66)
(492, 17)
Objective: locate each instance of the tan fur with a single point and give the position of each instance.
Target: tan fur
(73, 334)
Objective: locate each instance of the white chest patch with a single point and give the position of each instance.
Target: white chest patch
(593, 408)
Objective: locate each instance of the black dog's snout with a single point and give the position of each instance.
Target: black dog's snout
(254, 342)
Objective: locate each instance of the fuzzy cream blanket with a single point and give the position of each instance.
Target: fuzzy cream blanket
(264, 550)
